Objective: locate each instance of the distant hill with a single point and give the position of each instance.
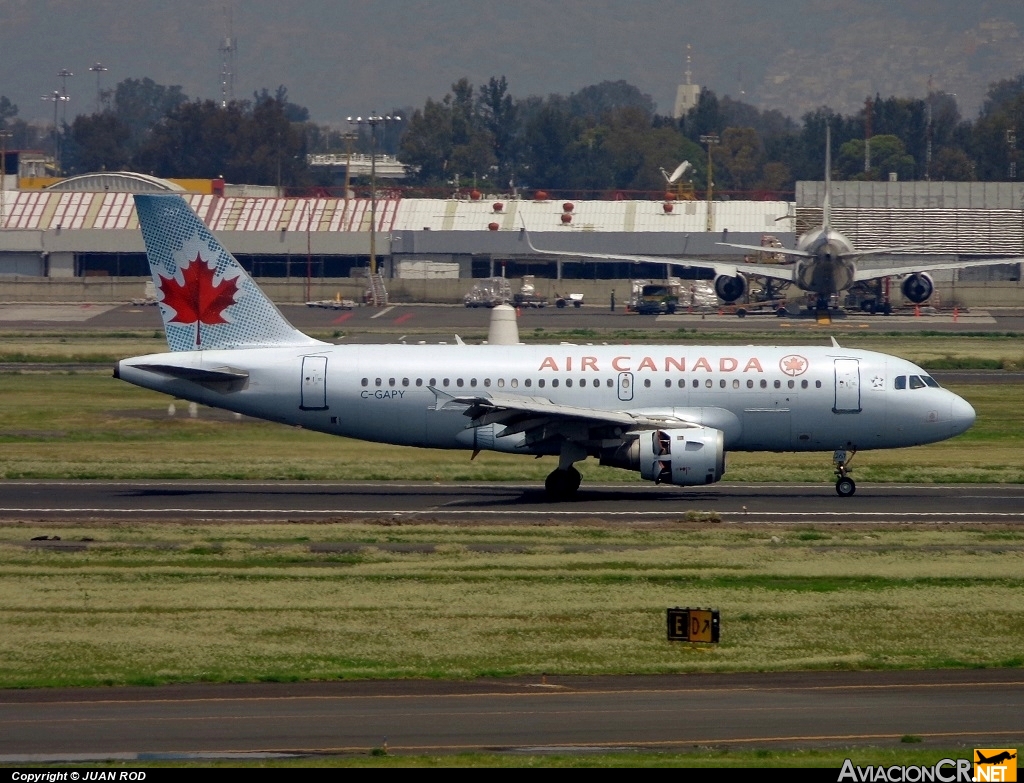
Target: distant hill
(340, 58)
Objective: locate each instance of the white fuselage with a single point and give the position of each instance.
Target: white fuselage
(761, 398)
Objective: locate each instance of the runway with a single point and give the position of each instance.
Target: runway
(451, 503)
(975, 708)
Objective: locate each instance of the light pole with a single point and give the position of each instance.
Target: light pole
(64, 75)
(98, 69)
(57, 98)
(710, 139)
(373, 121)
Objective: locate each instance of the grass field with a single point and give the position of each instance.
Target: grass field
(187, 602)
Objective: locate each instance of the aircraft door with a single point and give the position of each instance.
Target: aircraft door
(625, 386)
(847, 386)
(314, 383)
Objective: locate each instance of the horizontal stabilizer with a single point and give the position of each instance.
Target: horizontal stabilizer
(220, 378)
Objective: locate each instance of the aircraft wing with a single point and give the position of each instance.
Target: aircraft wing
(909, 269)
(720, 269)
(541, 418)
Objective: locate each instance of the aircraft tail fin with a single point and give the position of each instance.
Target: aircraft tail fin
(826, 204)
(206, 299)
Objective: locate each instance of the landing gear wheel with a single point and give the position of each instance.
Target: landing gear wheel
(562, 484)
(845, 487)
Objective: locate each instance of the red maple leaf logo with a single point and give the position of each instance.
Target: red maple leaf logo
(198, 301)
(793, 365)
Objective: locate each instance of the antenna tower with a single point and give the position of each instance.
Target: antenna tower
(227, 48)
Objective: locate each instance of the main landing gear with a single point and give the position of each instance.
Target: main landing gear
(562, 483)
(845, 485)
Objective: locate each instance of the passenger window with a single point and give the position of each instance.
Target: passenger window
(405, 381)
(583, 381)
(682, 383)
(764, 384)
(501, 383)
(696, 383)
(597, 383)
(487, 382)
(554, 383)
(419, 381)
(778, 384)
(817, 384)
(540, 383)
(444, 382)
(377, 381)
(791, 384)
(568, 382)
(647, 383)
(901, 382)
(735, 383)
(916, 382)
(433, 381)
(721, 383)
(709, 383)
(391, 381)
(668, 383)
(528, 382)
(472, 382)
(611, 383)
(803, 384)
(514, 383)
(459, 383)
(365, 381)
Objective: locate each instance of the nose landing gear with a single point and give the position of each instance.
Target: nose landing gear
(841, 459)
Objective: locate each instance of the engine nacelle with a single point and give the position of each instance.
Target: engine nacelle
(729, 289)
(917, 287)
(684, 457)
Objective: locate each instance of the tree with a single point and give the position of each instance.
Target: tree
(888, 155)
(599, 99)
(8, 110)
(96, 142)
(140, 104)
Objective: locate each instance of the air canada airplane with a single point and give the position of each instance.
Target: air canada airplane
(671, 412)
(824, 262)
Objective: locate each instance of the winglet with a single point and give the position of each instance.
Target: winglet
(835, 343)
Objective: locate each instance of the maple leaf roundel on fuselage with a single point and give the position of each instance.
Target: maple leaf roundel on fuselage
(198, 300)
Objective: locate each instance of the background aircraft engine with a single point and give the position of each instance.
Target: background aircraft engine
(685, 457)
(917, 287)
(729, 289)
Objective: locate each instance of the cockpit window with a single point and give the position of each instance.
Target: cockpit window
(916, 382)
(930, 381)
(901, 382)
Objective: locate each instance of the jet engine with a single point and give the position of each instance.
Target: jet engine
(684, 457)
(917, 287)
(729, 289)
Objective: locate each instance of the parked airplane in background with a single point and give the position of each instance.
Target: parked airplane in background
(670, 412)
(824, 261)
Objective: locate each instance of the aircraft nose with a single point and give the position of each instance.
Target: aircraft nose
(962, 415)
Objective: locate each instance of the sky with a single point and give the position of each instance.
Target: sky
(341, 57)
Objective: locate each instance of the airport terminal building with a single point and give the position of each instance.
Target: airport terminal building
(79, 240)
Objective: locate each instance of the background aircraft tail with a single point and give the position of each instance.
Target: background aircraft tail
(207, 300)
(826, 205)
